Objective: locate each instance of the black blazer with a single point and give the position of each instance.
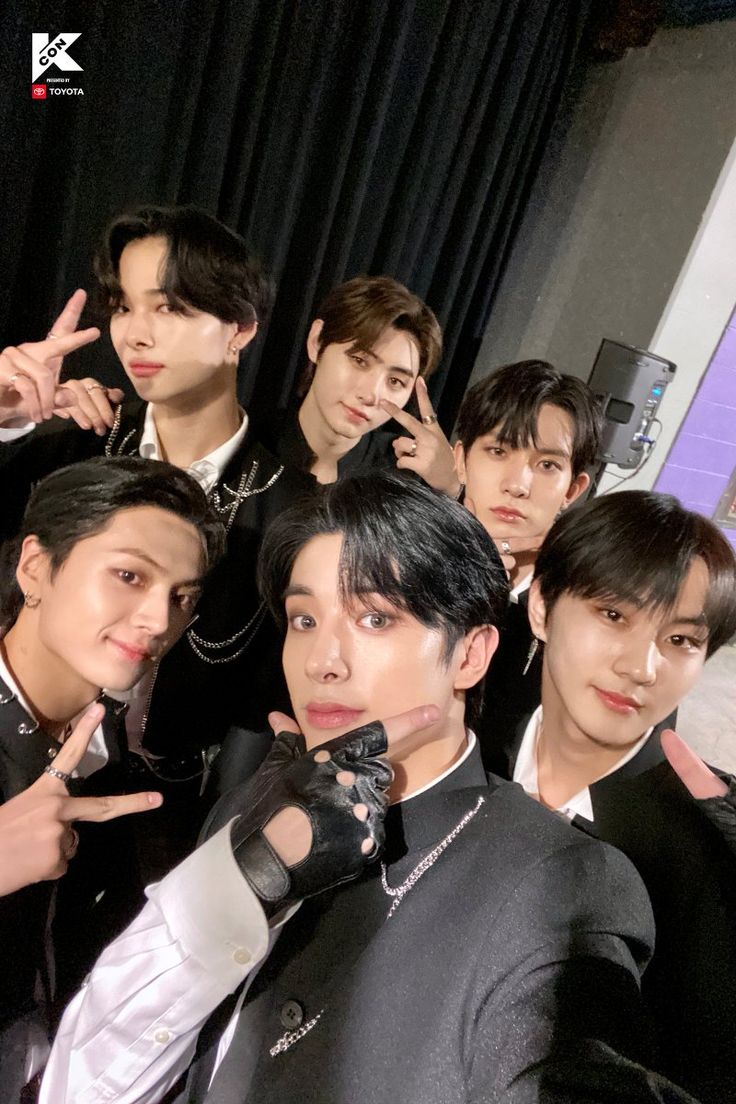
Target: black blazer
(690, 986)
(509, 972)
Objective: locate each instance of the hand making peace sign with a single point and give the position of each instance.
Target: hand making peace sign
(427, 452)
(37, 837)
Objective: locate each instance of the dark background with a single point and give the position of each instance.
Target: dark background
(339, 136)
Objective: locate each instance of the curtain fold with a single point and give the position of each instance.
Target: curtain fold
(339, 136)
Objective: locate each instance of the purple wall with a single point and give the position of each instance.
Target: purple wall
(703, 457)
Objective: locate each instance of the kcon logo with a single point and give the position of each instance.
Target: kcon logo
(45, 53)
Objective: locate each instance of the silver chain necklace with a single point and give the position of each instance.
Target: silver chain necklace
(400, 892)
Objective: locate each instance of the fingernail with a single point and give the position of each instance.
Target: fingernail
(96, 711)
(155, 799)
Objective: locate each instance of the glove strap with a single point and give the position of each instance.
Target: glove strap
(262, 868)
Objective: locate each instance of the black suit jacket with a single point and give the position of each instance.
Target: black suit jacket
(509, 972)
(690, 986)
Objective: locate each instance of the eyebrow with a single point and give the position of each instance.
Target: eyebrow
(398, 368)
(295, 590)
(564, 454)
(154, 563)
(699, 621)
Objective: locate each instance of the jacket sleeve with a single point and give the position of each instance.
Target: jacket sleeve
(132, 1029)
(561, 1020)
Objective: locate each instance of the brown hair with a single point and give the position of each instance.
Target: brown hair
(360, 310)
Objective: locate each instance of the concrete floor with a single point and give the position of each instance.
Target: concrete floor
(707, 716)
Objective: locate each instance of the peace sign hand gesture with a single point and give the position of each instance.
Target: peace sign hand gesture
(427, 452)
(37, 837)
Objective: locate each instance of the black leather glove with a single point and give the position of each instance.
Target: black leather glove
(722, 812)
(290, 775)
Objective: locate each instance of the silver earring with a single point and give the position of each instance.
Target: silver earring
(30, 600)
(232, 348)
(530, 654)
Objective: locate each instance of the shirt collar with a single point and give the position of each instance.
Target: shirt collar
(525, 770)
(207, 470)
(521, 587)
(471, 742)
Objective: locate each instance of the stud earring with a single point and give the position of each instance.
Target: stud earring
(232, 348)
(30, 600)
(531, 654)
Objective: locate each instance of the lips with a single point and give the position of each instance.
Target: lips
(142, 369)
(506, 514)
(131, 652)
(332, 715)
(354, 415)
(618, 703)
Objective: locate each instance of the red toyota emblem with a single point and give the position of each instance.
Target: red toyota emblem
(38, 91)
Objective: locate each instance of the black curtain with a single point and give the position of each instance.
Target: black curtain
(339, 136)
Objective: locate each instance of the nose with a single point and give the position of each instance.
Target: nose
(138, 332)
(638, 660)
(368, 391)
(153, 612)
(326, 661)
(517, 477)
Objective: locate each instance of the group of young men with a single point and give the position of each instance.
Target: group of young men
(368, 913)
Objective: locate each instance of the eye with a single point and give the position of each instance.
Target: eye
(613, 615)
(185, 600)
(550, 465)
(130, 578)
(397, 383)
(375, 620)
(689, 643)
(494, 450)
(119, 308)
(358, 360)
(165, 308)
(301, 622)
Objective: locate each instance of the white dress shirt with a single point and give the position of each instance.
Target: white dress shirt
(525, 770)
(131, 1031)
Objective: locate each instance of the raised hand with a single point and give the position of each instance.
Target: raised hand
(427, 451)
(37, 837)
(510, 549)
(314, 818)
(698, 778)
(30, 390)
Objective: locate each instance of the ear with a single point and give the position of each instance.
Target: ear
(478, 647)
(537, 611)
(459, 451)
(33, 565)
(579, 484)
(242, 335)
(315, 332)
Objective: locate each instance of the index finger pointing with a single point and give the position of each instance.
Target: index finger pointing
(697, 777)
(109, 808)
(60, 346)
(404, 731)
(423, 400)
(68, 320)
(406, 420)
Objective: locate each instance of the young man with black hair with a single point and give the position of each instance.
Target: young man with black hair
(631, 595)
(526, 436)
(185, 297)
(492, 955)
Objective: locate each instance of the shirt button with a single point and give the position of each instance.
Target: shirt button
(242, 957)
(292, 1014)
(162, 1037)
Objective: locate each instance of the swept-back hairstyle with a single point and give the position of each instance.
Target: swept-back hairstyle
(415, 547)
(360, 310)
(508, 402)
(79, 501)
(207, 266)
(637, 547)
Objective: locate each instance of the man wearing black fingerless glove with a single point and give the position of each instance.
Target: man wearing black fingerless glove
(337, 795)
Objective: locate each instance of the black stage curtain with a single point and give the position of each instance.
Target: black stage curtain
(339, 136)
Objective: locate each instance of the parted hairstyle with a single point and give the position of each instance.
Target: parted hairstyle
(208, 266)
(79, 501)
(360, 310)
(413, 546)
(508, 402)
(637, 547)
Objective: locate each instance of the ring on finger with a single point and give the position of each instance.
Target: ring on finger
(505, 548)
(51, 336)
(16, 376)
(56, 773)
(413, 449)
(94, 387)
(429, 419)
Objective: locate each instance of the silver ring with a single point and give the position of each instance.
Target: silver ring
(14, 377)
(413, 450)
(94, 387)
(505, 548)
(430, 419)
(62, 775)
(51, 336)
